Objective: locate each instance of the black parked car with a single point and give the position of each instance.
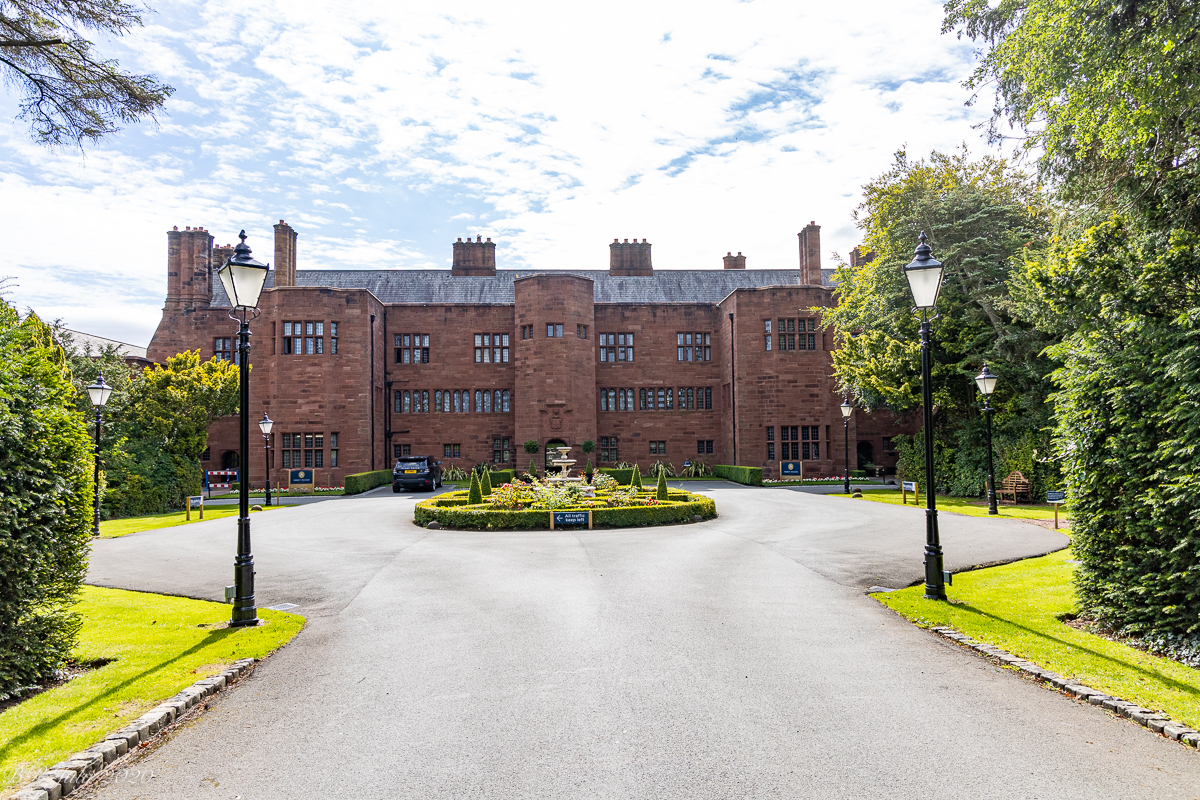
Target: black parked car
(416, 472)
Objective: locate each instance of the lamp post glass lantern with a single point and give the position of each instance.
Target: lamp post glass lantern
(265, 426)
(846, 411)
(986, 382)
(924, 275)
(243, 279)
(98, 393)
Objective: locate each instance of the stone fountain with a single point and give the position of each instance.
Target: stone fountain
(564, 463)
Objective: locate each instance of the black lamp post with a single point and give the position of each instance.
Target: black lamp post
(924, 274)
(847, 409)
(98, 393)
(986, 382)
(243, 279)
(265, 426)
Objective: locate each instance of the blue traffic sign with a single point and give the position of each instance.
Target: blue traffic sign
(570, 517)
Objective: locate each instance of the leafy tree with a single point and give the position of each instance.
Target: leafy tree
(1106, 92)
(45, 508)
(70, 93)
(982, 217)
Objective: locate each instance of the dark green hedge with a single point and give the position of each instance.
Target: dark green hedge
(45, 503)
(480, 517)
(622, 476)
(499, 477)
(751, 476)
(366, 481)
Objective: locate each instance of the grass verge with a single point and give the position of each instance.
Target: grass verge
(112, 528)
(1019, 607)
(965, 505)
(159, 646)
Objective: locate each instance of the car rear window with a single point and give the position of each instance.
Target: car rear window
(421, 465)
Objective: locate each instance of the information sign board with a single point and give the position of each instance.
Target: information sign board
(1056, 497)
(791, 469)
(910, 486)
(570, 518)
(300, 476)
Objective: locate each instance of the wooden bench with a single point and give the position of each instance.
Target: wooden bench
(1015, 486)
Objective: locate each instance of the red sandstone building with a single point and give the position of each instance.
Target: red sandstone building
(357, 367)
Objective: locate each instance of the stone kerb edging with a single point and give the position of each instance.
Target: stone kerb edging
(1143, 716)
(66, 776)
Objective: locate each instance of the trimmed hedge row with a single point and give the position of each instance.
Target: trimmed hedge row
(365, 481)
(751, 476)
(499, 477)
(480, 517)
(622, 476)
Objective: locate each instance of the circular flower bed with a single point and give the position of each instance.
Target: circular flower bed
(527, 506)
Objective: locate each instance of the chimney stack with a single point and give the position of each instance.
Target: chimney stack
(810, 254)
(630, 259)
(858, 257)
(189, 267)
(735, 262)
(475, 259)
(285, 254)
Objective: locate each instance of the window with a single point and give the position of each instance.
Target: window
(333, 443)
(206, 455)
(810, 447)
(797, 443)
(333, 337)
(608, 448)
(491, 348)
(222, 349)
(616, 399)
(693, 346)
(554, 330)
(526, 331)
(616, 347)
(401, 450)
(795, 334)
(398, 402)
(581, 331)
(303, 338)
(451, 451)
(691, 399)
(501, 451)
(658, 448)
(704, 446)
(767, 333)
(411, 348)
(887, 444)
(642, 406)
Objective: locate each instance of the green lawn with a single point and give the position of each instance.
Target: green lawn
(112, 528)
(966, 505)
(160, 646)
(1017, 607)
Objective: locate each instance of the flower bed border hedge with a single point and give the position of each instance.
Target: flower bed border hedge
(366, 481)
(450, 513)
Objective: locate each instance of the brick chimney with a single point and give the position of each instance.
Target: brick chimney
(630, 258)
(285, 254)
(735, 262)
(189, 270)
(810, 254)
(475, 259)
(858, 257)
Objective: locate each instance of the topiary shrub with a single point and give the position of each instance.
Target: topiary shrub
(661, 493)
(751, 476)
(476, 494)
(636, 481)
(485, 483)
(366, 481)
(45, 506)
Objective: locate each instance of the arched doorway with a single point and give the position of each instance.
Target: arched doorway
(550, 445)
(866, 454)
(229, 459)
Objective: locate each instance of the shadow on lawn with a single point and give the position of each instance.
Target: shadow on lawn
(1181, 687)
(44, 727)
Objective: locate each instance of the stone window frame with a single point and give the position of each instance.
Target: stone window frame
(303, 337)
(488, 352)
(693, 343)
(453, 450)
(411, 348)
(554, 330)
(704, 447)
(609, 449)
(658, 447)
(800, 334)
(223, 349)
(616, 348)
(501, 450)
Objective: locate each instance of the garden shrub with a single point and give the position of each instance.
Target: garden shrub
(636, 481)
(661, 492)
(499, 477)
(485, 483)
(365, 481)
(604, 483)
(45, 506)
(476, 493)
(478, 517)
(622, 476)
(751, 476)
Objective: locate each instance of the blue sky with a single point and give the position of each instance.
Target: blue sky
(382, 132)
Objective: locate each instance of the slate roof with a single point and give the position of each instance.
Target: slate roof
(669, 286)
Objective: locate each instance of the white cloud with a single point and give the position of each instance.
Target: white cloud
(701, 126)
